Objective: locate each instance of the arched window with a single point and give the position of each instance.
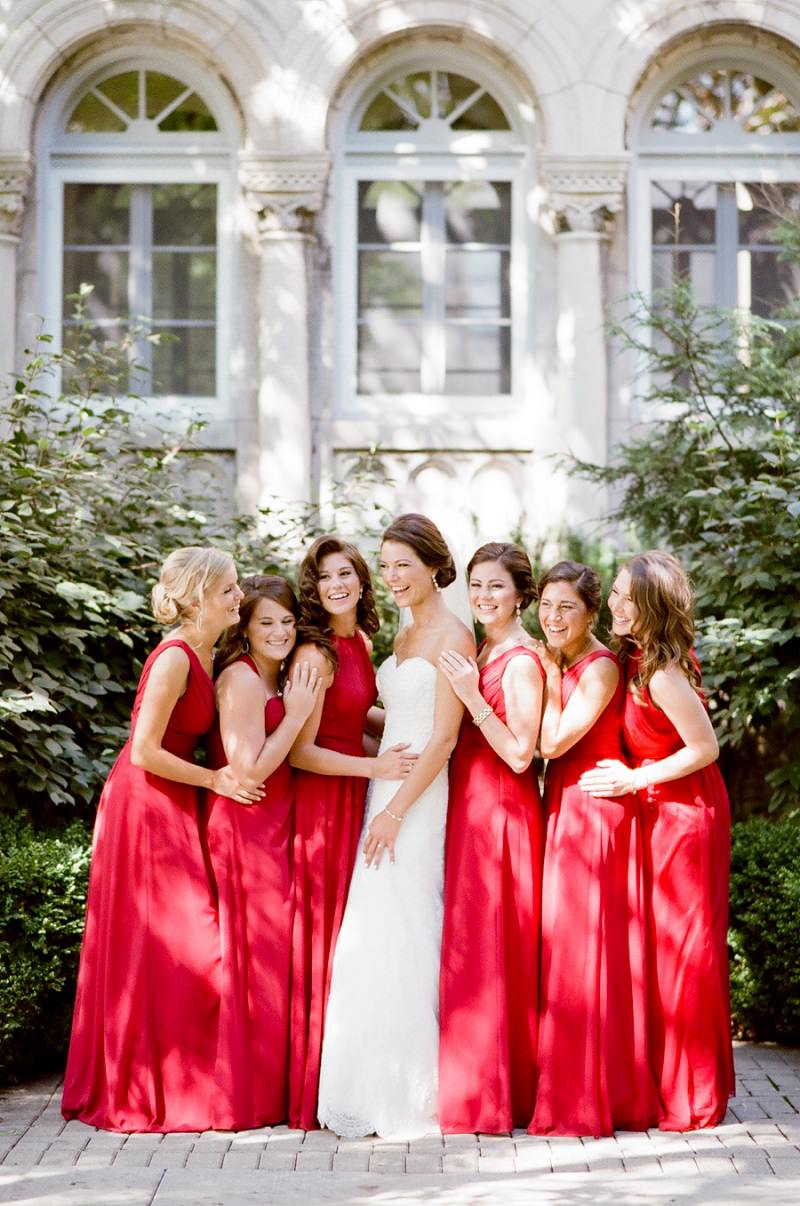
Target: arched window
(136, 165)
(719, 163)
(432, 171)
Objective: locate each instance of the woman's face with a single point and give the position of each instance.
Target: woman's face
(624, 612)
(338, 584)
(220, 607)
(563, 615)
(408, 577)
(493, 596)
(272, 630)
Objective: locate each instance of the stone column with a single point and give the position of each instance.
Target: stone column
(285, 193)
(584, 197)
(15, 175)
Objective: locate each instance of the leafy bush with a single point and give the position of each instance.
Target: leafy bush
(714, 474)
(764, 934)
(43, 882)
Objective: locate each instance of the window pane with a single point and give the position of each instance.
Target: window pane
(477, 284)
(384, 114)
(389, 211)
(184, 215)
(452, 90)
(694, 267)
(123, 90)
(478, 360)
(766, 284)
(478, 211)
(191, 114)
(683, 213)
(107, 271)
(389, 355)
(390, 278)
(184, 284)
(186, 363)
(415, 91)
(161, 91)
(91, 116)
(761, 207)
(485, 114)
(96, 213)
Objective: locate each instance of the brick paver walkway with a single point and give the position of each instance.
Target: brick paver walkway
(753, 1156)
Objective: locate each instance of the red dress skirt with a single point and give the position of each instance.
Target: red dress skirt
(141, 1056)
(329, 810)
(686, 826)
(488, 992)
(594, 1075)
(249, 850)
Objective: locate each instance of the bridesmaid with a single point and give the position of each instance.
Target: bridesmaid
(593, 1070)
(249, 852)
(141, 1056)
(338, 618)
(493, 867)
(686, 819)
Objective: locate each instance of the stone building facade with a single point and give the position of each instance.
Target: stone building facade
(392, 224)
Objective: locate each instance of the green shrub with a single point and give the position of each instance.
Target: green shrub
(43, 882)
(764, 933)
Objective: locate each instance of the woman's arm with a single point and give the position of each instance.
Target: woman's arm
(241, 702)
(563, 727)
(169, 675)
(674, 695)
(514, 741)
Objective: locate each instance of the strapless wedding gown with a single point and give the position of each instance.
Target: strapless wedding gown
(380, 1050)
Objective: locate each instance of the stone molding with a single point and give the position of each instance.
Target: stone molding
(284, 191)
(584, 194)
(15, 177)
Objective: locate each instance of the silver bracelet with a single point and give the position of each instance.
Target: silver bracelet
(484, 714)
(393, 815)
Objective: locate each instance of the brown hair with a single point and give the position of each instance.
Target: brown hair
(664, 627)
(422, 535)
(257, 587)
(185, 578)
(585, 580)
(314, 627)
(516, 563)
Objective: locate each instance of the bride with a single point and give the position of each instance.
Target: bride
(380, 1049)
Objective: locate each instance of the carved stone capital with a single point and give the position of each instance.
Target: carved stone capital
(285, 191)
(15, 178)
(584, 194)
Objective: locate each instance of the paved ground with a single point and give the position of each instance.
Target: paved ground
(753, 1157)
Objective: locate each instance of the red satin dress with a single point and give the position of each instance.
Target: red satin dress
(141, 1056)
(594, 1075)
(249, 848)
(686, 828)
(488, 989)
(329, 810)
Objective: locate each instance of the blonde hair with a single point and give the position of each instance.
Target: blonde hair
(185, 578)
(664, 628)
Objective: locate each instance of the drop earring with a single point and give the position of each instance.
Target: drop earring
(436, 585)
(245, 645)
(518, 613)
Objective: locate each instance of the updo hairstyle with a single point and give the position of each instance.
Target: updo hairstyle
(515, 562)
(584, 580)
(664, 629)
(422, 535)
(256, 588)
(186, 577)
(314, 627)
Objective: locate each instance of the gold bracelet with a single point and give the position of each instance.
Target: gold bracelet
(393, 815)
(484, 714)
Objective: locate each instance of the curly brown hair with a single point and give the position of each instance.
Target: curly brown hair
(256, 587)
(314, 627)
(515, 562)
(664, 628)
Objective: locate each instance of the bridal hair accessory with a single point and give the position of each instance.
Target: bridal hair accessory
(484, 714)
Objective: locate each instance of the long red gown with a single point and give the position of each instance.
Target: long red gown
(329, 810)
(249, 850)
(488, 990)
(686, 828)
(594, 1075)
(141, 1056)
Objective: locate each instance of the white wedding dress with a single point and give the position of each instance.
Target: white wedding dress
(381, 1045)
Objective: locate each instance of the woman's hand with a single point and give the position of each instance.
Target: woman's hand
(224, 782)
(381, 836)
(609, 778)
(394, 763)
(301, 692)
(463, 675)
(549, 657)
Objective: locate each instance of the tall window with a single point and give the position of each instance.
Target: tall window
(719, 165)
(431, 222)
(138, 210)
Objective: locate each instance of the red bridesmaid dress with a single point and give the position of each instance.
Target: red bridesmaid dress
(488, 1006)
(329, 810)
(141, 1056)
(594, 1075)
(686, 828)
(249, 848)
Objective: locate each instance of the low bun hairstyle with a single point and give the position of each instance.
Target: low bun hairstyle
(515, 562)
(422, 535)
(185, 578)
(256, 588)
(314, 627)
(583, 578)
